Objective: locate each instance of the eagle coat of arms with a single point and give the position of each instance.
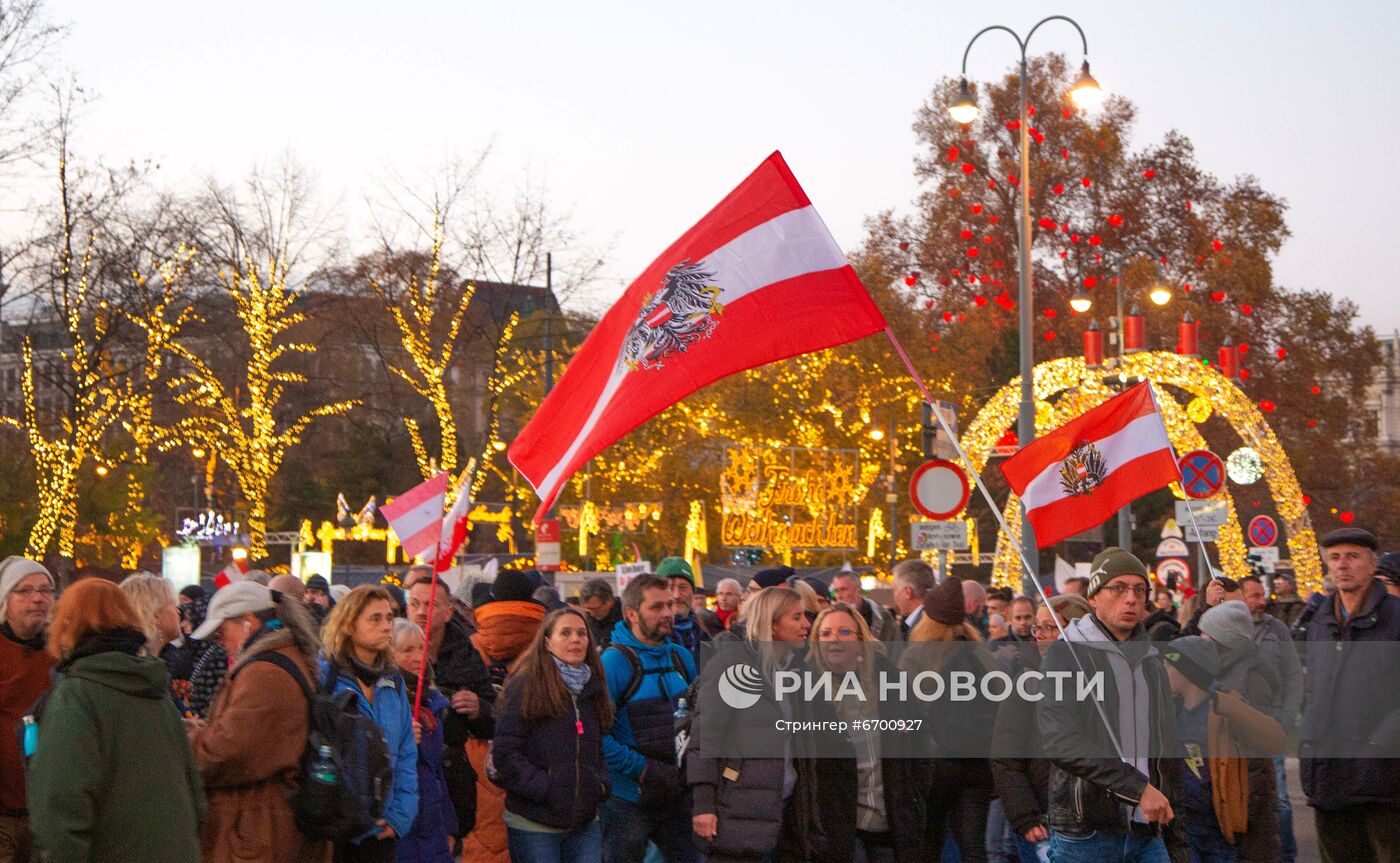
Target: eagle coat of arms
(1082, 470)
(684, 311)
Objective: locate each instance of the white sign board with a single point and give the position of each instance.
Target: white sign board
(1174, 567)
(1201, 533)
(939, 535)
(1207, 513)
(1268, 556)
(1172, 547)
(628, 571)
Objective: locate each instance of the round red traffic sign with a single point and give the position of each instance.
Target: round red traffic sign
(938, 489)
(1202, 474)
(1263, 531)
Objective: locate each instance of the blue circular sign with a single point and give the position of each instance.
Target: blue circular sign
(1263, 531)
(1202, 474)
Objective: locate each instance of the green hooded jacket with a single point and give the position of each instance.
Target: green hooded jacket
(112, 778)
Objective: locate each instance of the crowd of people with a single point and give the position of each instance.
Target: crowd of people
(145, 725)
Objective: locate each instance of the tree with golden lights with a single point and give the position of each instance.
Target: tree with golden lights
(238, 421)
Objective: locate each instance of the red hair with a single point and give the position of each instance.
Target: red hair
(89, 606)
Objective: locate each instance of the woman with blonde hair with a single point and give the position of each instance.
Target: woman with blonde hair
(768, 806)
(869, 798)
(153, 598)
(111, 777)
(358, 657)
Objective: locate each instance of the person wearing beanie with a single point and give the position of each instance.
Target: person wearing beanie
(1228, 800)
(26, 600)
(1351, 706)
(1126, 803)
(774, 576)
(1388, 571)
(1020, 772)
(688, 626)
(189, 593)
(1228, 624)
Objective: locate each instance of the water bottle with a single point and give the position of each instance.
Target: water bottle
(323, 768)
(681, 716)
(31, 736)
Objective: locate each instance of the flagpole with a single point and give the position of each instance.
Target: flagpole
(1001, 520)
(427, 636)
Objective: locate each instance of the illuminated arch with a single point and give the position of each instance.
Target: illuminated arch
(1080, 388)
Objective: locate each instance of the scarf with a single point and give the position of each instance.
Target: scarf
(368, 675)
(575, 676)
(686, 630)
(119, 640)
(504, 628)
(36, 643)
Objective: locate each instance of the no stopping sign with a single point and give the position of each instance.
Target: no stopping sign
(938, 489)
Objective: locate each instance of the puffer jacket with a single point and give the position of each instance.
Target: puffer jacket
(641, 745)
(392, 711)
(553, 772)
(437, 818)
(746, 794)
(1090, 789)
(250, 756)
(1352, 704)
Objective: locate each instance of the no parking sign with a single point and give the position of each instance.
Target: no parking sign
(1202, 474)
(1263, 531)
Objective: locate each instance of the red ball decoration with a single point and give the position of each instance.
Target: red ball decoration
(1266, 406)
(973, 252)
(1049, 313)
(1149, 174)
(1312, 424)
(976, 209)
(1086, 181)
(1090, 282)
(1049, 335)
(1246, 309)
(1346, 516)
(1244, 348)
(1058, 188)
(1115, 220)
(953, 154)
(1217, 245)
(911, 280)
(1307, 499)
(1095, 240)
(980, 300)
(966, 234)
(968, 168)
(1048, 224)
(928, 304)
(1244, 374)
(1011, 178)
(1217, 296)
(1186, 287)
(1282, 353)
(992, 219)
(961, 317)
(947, 317)
(1316, 390)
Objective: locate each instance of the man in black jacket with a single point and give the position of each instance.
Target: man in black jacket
(1112, 780)
(1352, 706)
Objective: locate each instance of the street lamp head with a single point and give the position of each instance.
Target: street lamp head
(1081, 302)
(1160, 294)
(1085, 91)
(964, 108)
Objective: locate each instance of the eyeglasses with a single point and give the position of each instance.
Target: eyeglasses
(1045, 628)
(843, 632)
(1138, 590)
(27, 592)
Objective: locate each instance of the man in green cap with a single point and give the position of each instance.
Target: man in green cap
(1113, 783)
(690, 628)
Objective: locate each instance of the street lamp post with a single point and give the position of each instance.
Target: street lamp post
(1160, 295)
(964, 110)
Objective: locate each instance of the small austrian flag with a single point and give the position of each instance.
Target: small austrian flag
(416, 515)
(1077, 476)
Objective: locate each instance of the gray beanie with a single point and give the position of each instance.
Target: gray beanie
(13, 570)
(1228, 624)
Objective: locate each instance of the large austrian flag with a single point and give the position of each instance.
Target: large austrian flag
(1080, 474)
(758, 279)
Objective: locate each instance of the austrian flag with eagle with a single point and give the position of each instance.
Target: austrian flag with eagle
(1079, 475)
(758, 279)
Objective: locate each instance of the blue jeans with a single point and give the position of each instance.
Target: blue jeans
(1207, 843)
(1101, 847)
(584, 846)
(1287, 845)
(1026, 851)
(628, 828)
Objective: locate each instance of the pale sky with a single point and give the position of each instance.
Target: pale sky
(640, 116)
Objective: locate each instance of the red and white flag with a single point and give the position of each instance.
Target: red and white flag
(1080, 474)
(416, 516)
(455, 524)
(231, 573)
(758, 279)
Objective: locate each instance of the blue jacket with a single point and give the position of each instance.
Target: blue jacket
(391, 711)
(437, 817)
(641, 730)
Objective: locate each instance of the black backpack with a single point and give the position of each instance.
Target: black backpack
(343, 803)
